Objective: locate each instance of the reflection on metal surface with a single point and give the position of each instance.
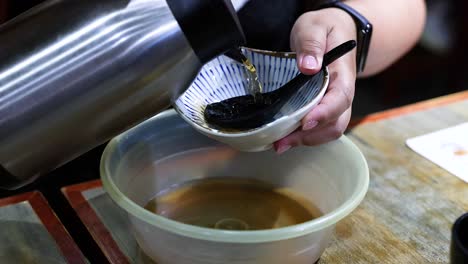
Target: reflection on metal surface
(75, 73)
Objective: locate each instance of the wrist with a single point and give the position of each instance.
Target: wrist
(363, 30)
(342, 21)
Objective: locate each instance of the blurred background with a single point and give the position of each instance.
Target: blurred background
(437, 66)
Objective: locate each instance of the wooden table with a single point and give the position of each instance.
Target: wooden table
(405, 218)
(106, 222)
(30, 232)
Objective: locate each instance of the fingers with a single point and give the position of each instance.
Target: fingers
(313, 34)
(309, 41)
(325, 134)
(337, 99)
(311, 37)
(340, 93)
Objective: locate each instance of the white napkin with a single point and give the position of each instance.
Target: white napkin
(448, 148)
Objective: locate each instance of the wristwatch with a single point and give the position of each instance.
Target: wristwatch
(363, 29)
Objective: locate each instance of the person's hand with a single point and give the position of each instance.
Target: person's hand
(313, 34)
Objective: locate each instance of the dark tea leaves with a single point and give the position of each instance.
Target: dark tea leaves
(252, 111)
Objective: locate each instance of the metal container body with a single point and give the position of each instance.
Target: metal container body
(74, 73)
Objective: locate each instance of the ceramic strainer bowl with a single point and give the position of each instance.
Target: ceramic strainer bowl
(223, 78)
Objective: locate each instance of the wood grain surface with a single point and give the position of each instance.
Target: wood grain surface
(107, 223)
(412, 203)
(31, 232)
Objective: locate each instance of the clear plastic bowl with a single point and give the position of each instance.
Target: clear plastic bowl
(165, 150)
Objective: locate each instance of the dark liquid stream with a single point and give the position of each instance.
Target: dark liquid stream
(241, 105)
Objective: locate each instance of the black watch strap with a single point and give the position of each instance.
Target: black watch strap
(363, 30)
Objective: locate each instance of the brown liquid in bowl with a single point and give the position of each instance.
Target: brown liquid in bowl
(233, 204)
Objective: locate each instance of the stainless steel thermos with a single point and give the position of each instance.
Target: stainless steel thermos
(74, 73)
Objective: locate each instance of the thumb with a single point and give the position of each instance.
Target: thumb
(309, 44)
